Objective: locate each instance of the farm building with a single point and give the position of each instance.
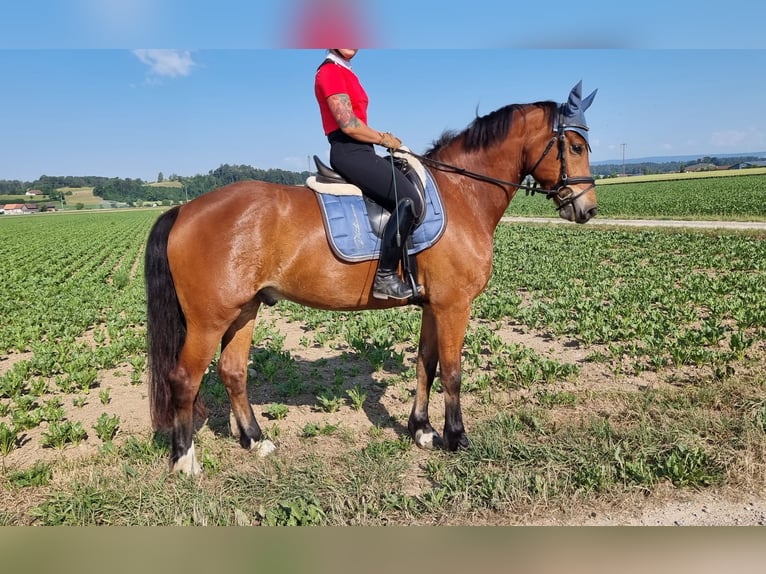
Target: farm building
(748, 164)
(34, 193)
(19, 208)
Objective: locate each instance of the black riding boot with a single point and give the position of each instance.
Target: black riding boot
(387, 282)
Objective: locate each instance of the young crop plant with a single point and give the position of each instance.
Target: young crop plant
(52, 410)
(276, 411)
(13, 382)
(59, 434)
(8, 439)
(357, 396)
(311, 430)
(80, 401)
(26, 414)
(121, 278)
(84, 379)
(329, 401)
(106, 427)
(138, 362)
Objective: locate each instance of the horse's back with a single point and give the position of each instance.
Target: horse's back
(242, 197)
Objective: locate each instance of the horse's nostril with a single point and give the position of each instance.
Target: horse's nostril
(592, 212)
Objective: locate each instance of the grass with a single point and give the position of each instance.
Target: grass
(166, 183)
(678, 176)
(82, 195)
(522, 455)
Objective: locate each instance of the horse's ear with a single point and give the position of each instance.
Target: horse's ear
(575, 103)
(589, 100)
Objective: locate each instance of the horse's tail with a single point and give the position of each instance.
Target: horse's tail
(165, 321)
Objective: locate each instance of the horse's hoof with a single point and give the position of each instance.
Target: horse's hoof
(263, 448)
(427, 439)
(458, 442)
(187, 464)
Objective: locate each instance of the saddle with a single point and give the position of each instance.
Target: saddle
(355, 224)
(327, 180)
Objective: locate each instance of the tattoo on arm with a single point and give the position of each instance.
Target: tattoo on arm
(340, 106)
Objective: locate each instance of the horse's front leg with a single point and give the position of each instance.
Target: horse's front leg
(451, 326)
(419, 424)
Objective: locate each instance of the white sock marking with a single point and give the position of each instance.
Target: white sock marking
(263, 448)
(188, 463)
(425, 439)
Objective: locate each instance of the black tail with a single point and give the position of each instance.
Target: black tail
(165, 322)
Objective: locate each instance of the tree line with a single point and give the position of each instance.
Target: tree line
(138, 191)
(649, 167)
(127, 190)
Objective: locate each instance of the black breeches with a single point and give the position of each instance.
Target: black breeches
(359, 164)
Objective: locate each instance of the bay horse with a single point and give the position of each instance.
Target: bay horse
(212, 262)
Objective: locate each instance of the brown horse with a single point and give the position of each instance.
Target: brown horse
(212, 262)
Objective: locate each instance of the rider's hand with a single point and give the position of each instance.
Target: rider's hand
(390, 141)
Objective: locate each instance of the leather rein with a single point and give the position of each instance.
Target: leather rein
(563, 183)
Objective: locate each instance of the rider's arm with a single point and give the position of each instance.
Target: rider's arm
(352, 126)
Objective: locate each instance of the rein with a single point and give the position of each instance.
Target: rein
(564, 179)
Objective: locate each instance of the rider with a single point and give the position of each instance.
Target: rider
(343, 106)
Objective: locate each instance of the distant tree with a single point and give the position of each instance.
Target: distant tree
(160, 177)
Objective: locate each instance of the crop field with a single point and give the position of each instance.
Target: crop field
(602, 368)
(738, 197)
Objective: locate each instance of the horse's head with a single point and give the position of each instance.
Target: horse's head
(565, 175)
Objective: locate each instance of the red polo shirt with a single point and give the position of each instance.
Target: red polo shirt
(334, 79)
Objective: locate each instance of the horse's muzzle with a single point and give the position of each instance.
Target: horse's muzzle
(572, 212)
(578, 206)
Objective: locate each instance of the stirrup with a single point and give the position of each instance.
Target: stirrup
(388, 285)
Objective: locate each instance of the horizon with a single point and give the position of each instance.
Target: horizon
(648, 159)
(681, 157)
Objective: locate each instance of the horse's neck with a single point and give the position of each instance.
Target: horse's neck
(488, 200)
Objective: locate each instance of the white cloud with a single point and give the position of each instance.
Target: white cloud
(737, 138)
(166, 63)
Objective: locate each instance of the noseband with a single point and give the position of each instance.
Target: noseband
(562, 184)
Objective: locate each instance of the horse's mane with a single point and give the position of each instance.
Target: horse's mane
(485, 131)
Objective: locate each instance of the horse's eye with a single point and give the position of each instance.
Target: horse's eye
(577, 149)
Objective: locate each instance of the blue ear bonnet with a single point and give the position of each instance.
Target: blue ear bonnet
(571, 114)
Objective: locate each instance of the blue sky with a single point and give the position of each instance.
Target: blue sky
(131, 89)
(387, 23)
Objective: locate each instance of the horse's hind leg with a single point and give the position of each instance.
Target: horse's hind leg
(232, 367)
(185, 380)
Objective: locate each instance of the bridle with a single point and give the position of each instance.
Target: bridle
(563, 182)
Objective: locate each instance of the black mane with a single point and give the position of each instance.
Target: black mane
(485, 131)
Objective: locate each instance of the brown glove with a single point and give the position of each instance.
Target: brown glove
(390, 141)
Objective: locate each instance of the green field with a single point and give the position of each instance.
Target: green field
(682, 176)
(727, 196)
(602, 366)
